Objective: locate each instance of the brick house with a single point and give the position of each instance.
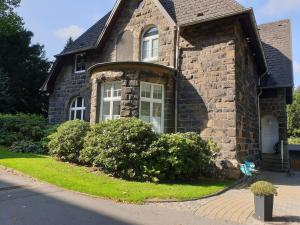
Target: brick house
(193, 65)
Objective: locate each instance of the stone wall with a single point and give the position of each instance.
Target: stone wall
(137, 21)
(69, 85)
(247, 122)
(207, 84)
(276, 106)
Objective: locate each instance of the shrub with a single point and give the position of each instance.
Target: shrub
(263, 188)
(119, 147)
(51, 129)
(66, 143)
(26, 147)
(179, 156)
(21, 127)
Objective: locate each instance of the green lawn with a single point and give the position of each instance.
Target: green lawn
(79, 179)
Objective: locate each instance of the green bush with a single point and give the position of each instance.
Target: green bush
(179, 156)
(119, 147)
(263, 188)
(21, 127)
(51, 129)
(66, 143)
(26, 147)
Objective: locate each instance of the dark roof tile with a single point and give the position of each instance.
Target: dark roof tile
(276, 40)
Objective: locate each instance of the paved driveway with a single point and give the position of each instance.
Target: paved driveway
(27, 202)
(237, 205)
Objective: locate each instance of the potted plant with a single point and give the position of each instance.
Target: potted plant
(263, 199)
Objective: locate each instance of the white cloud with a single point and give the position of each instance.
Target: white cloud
(73, 31)
(275, 7)
(296, 68)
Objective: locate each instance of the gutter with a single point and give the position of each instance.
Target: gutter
(259, 113)
(176, 62)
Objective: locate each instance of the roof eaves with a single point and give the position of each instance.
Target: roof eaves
(214, 18)
(111, 16)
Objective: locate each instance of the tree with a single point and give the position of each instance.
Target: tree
(26, 69)
(10, 22)
(70, 41)
(294, 115)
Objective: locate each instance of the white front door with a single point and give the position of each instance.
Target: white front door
(269, 133)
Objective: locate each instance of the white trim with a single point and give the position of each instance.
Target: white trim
(111, 100)
(75, 67)
(150, 50)
(75, 109)
(152, 100)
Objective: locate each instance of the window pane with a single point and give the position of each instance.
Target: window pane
(106, 110)
(156, 119)
(157, 109)
(107, 90)
(116, 108)
(155, 48)
(146, 90)
(83, 117)
(72, 115)
(79, 102)
(117, 89)
(151, 32)
(157, 92)
(145, 111)
(78, 114)
(80, 62)
(145, 50)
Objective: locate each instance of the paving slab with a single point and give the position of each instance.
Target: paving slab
(237, 205)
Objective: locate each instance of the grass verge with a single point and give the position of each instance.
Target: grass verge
(79, 179)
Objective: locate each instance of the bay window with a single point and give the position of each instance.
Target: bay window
(152, 105)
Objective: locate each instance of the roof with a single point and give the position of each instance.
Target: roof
(183, 12)
(276, 40)
(186, 12)
(88, 39)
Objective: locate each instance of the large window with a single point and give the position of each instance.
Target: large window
(80, 63)
(110, 101)
(150, 45)
(152, 105)
(77, 109)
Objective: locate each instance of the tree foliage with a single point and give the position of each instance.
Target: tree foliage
(24, 68)
(10, 22)
(294, 116)
(70, 41)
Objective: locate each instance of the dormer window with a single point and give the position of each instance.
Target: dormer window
(150, 45)
(80, 61)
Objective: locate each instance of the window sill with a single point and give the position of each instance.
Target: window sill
(80, 72)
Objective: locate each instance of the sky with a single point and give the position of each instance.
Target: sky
(54, 21)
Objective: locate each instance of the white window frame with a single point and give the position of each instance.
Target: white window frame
(75, 69)
(153, 100)
(150, 39)
(76, 109)
(111, 100)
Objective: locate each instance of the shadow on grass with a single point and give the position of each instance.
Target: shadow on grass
(5, 154)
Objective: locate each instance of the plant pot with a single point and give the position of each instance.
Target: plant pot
(264, 207)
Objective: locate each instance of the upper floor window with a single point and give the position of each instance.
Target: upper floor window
(77, 109)
(80, 61)
(152, 105)
(150, 45)
(111, 101)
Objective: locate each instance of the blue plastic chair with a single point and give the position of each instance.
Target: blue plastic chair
(246, 170)
(250, 165)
